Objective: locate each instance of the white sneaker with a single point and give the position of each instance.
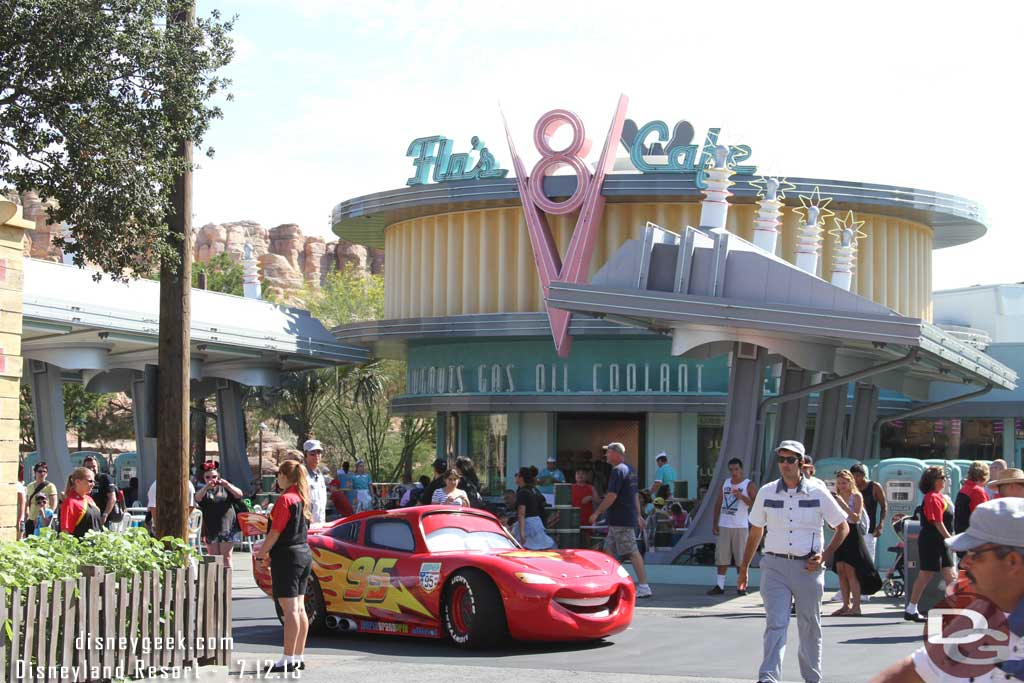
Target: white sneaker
(643, 591)
(865, 598)
(838, 597)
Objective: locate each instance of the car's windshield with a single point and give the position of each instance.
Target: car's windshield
(445, 532)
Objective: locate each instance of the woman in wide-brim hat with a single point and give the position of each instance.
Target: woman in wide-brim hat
(1010, 483)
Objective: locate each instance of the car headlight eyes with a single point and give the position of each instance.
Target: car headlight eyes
(527, 577)
(622, 572)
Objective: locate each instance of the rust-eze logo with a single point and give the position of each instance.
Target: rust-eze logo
(966, 636)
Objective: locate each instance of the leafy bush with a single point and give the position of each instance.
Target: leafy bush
(53, 557)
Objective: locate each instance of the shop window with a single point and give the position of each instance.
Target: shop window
(710, 430)
(951, 439)
(488, 447)
(579, 437)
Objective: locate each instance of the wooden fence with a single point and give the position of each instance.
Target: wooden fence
(99, 626)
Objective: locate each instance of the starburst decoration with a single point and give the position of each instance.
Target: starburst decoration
(847, 222)
(818, 202)
(782, 187)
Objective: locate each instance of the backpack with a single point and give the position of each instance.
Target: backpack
(473, 493)
(117, 513)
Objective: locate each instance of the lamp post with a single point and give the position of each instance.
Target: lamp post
(263, 426)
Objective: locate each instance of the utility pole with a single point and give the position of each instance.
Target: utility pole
(172, 444)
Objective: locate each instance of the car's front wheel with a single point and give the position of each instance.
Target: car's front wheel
(471, 610)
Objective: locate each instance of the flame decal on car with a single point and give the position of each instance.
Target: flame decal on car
(358, 585)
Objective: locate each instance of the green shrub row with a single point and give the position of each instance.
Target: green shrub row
(53, 556)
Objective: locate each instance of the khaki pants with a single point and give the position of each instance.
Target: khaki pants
(730, 546)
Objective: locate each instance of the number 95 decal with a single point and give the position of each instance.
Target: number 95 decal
(369, 579)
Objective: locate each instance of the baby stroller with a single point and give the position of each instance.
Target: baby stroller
(895, 583)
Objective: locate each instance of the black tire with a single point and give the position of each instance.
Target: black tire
(316, 612)
(472, 614)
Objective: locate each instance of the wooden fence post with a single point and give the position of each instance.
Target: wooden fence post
(3, 620)
(226, 631)
(57, 600)
(91, 616)
(15, 632)
(41, 622)
(178, 578)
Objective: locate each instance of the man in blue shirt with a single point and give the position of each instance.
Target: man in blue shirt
(664, 478)
(550, 476)
(623, 507)
(345, 484)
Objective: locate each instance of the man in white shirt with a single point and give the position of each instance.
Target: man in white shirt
(993, 562)
(792, 566)
(731, 525)
(313, 452)
(151, 501)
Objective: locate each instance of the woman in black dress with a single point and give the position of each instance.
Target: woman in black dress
(852, 562)
(216, 499)
(290, 560)
(933, 554)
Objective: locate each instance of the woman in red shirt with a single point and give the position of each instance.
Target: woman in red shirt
(933, 553)
(78, 512)
(290, 560)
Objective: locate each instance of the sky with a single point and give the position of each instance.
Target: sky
(329, 93)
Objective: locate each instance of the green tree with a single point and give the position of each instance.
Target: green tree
(26, 419)
(223, 274)
(354, 409)
(85, 91)
(95, 417)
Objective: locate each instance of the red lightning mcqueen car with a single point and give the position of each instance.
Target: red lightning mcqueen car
(436, 571)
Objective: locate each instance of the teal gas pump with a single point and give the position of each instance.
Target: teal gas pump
(827, 468)
(126, 466)
(898, 478)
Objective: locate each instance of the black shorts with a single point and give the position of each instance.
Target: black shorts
(289, 572)
(933, 554)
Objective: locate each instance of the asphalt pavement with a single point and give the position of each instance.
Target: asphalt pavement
(680, 634)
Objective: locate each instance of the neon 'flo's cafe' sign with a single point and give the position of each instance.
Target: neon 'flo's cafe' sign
(651, 150)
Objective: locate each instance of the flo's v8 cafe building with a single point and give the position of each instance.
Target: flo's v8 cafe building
(654, 301)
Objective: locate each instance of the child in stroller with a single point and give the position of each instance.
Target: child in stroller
(895, 582)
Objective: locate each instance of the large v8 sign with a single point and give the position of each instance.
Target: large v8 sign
(438, 571)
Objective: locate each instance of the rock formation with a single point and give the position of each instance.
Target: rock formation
(288, 259)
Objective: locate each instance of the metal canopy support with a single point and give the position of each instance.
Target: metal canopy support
(791, 422)
(828, 432)
(146, 448)
(865, 411)
(234, 457)
(48, 413)
(746, 387)
(921, 410)
(762, 412)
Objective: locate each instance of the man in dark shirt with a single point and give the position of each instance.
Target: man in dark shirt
(440, 467)
(104, 492)
(623, 507)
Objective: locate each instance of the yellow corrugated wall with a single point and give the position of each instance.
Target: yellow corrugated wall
(481, 262)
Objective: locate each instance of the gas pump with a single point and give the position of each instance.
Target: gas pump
(827, 468)
(898, 478)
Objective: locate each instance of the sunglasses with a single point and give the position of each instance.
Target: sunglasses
(788, 459)
(978, 552)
